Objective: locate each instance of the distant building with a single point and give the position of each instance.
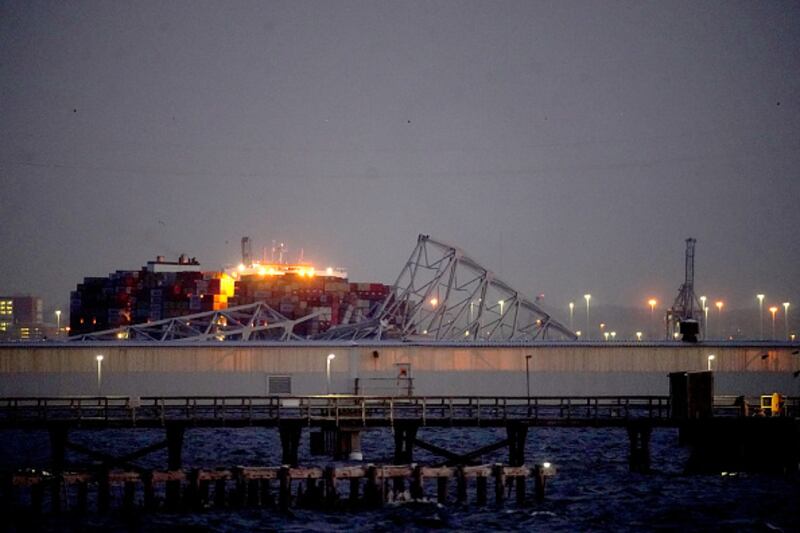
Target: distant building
(21, 318)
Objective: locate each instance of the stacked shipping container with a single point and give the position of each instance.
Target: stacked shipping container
(148, 295)
(134, 297)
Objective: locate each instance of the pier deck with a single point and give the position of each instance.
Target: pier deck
(349, 411)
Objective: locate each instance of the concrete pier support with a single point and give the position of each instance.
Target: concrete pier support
(517, 435)
(404, 435)
(290, 432)
(639, 437)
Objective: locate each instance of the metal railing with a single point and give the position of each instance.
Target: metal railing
(349, 409)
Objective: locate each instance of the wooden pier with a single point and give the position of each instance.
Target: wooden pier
(281, 487)
(335, 422)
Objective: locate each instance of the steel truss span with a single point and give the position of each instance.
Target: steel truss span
(252, 322)
(443, 294)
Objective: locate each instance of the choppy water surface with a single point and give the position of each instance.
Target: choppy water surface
(593, 490)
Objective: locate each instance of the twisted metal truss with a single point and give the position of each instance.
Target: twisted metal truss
(256, 321)
(442, 294)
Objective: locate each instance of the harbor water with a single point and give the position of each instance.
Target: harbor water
(593, 489)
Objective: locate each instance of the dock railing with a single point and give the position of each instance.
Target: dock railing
(346, 409)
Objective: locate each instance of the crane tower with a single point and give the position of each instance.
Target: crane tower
(686, 314)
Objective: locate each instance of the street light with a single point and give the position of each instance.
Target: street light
(720, 304)
(773, 310)
(528, 376)
(571, 313)
(786, 319)
(605, 334)
(711, 358)
(705, 317)
(587, 297)
(652, 303)
(99, 359)
(613, 335)
(58, 321)
(760, 316)
(331, 357)
(638, 335)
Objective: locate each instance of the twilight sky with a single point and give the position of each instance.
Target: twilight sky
(569, 146)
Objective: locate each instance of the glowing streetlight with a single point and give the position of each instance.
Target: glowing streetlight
(331, 357)
(434, 302)
(652, 303)
(501, 303)
(705, 316)
(99, 359)
(605, 334)
(613, 335)
(720, 304)
(709, 359)
(638, 335)
(58, 321)
(773, 310)
(571, 313)
(587, 297)
(786, 319)
(760, 298)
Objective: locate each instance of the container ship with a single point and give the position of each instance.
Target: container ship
(167, 289)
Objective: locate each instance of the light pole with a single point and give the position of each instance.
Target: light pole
(587, 297)
(786, 319)
(652, 303)
(571, 313)
(720, 304)
(99, 359)
(528, 376)
(710, 358)
(705, 317)
(58, 322)
(773, 310)
(760, 316)
(331, 357)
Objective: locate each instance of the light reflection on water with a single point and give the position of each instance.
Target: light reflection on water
(593, 489)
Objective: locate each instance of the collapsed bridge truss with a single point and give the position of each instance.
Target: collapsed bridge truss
(443, 294)
(250, 322)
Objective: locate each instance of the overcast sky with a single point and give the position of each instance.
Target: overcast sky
(568, 146)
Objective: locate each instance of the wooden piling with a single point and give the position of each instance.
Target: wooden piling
(37, 496)
(417, 483)
(373, 494)
(285, 489)
(331, 493)
(499, 483)
(441, 489)
(461, 485)
(480, 486)
(82, 503)
(149, 491)
(539, 482)
(103, 492)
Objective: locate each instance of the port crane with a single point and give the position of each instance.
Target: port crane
(685, 316)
